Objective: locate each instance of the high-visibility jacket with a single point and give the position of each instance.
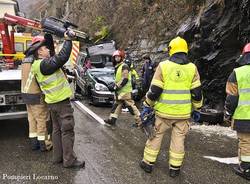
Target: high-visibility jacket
(242, 111)
(31, 92)
(28, 83)
(55, 86)
(118, 78)
(175, 100)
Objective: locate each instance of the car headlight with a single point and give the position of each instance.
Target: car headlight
(101, 87)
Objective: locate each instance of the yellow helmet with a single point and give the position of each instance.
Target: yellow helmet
(176, 45)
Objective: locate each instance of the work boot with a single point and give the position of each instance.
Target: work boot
(43, 147)
(174, 171)
(146, 167)
(111, 121)
(76, 165)
(245, 173)
(34, 144)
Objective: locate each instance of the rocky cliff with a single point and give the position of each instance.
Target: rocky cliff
(216, 36)
(215, 29)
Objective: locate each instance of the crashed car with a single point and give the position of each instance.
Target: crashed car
(93, 81)
(95, 84)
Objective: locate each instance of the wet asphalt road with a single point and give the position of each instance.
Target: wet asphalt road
(112, 155)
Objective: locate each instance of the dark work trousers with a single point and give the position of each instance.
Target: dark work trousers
(63, 135)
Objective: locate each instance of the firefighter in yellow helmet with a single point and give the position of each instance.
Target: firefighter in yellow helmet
(175, 89)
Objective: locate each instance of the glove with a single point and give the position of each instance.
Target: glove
(112, 86)
(146, 110)
(196, 115)
(50, 43)
(227, 117)
(69, 34)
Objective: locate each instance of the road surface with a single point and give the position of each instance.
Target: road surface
(112, 155)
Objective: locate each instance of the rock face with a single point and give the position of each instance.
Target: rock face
(216, 35)
(216, 39)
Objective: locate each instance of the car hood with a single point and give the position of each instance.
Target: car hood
(105, 79)
(103, 75)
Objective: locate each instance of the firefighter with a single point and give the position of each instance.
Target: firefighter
(174, 89)
(237, 107)
(38, 113)
(123, 90)
(53, 83)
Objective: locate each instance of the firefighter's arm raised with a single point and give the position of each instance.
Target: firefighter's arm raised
(156, 88)
(50, 65)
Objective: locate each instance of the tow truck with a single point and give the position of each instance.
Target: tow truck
(11, 104)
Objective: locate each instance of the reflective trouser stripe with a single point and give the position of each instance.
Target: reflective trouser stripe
(28, 82)
(245, 158)
(176, 91)
(175, 101)
(57, 88)
(41, 137)
(52, 78)
(176, 159)
(32, 135)
(150, 155)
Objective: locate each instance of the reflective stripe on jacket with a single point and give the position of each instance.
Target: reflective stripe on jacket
(175, 100)
(55, 86)
(242, 111)
(118, 78)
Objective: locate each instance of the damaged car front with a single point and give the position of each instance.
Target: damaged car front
(97, 81)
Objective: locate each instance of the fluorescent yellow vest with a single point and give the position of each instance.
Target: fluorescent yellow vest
(55, 86)
(242, 111)
(118, 77)
(134, 73)
(175, 100)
